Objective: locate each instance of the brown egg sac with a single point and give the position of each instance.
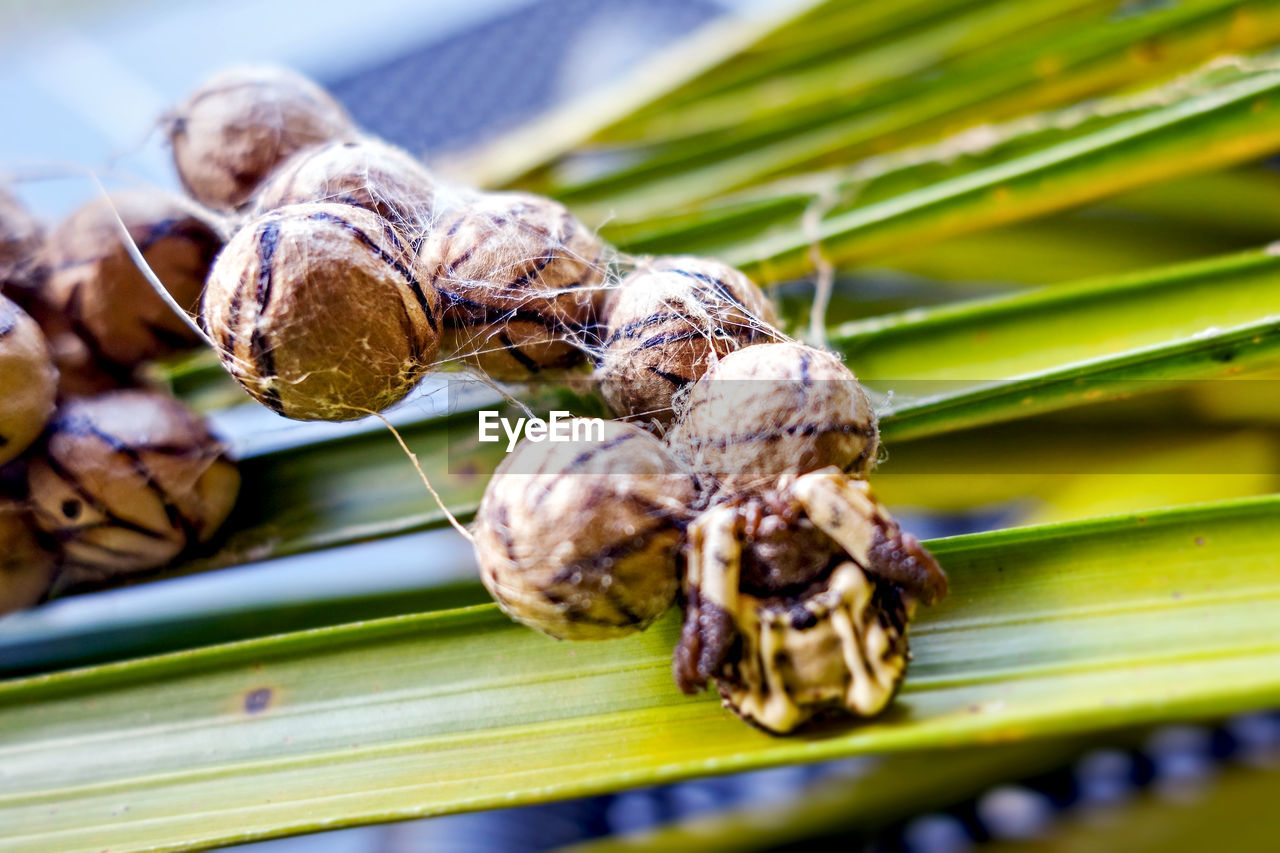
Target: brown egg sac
(28, 381)
(240, 124)
(26, 568)
(107, 300)
(314, 309)
(128, 481)
(21, 241)
(521, 280)
(775, 409)
(80, 371)
(667, 323)
(580, 539)
(367, 173)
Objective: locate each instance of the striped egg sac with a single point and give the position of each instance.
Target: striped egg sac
(315, 310)
(28, 381)
(95, 284)
(366, 173)
(521, 280)
(127, 481)
(667, 323)
(775, 409)
(243, 122)
(580, 539)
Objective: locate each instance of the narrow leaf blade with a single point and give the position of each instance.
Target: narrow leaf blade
(1048, 631)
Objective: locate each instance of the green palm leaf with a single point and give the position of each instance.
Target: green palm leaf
(1048, 631)
(1051, 632)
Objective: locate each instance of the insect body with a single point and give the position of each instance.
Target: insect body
(797, 599)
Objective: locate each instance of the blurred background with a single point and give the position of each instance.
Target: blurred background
(83, 84)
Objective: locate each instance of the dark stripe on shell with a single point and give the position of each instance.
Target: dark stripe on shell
(515, 352)
(675, 379)
(806, 430)
(93, 501)
(463, 313)
(260, 353)
(140, 467)
(268, 241)
(404, 272)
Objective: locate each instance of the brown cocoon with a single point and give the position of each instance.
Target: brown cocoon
(368, 174)
(521, 281)
(28, 381)
(129, 480)
(315, 311)
(775, 409)
(21, 241)
(81, 372)
(580, 539)
(241, 123)
(667, 323)
(26, 569)
(96, 285)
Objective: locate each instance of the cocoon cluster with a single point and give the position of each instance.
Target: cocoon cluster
(796, 583)
(96, 481)
(352, 273)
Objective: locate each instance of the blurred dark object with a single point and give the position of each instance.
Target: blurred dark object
(450, 93)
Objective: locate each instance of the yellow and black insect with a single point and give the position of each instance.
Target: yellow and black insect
(797, 599)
